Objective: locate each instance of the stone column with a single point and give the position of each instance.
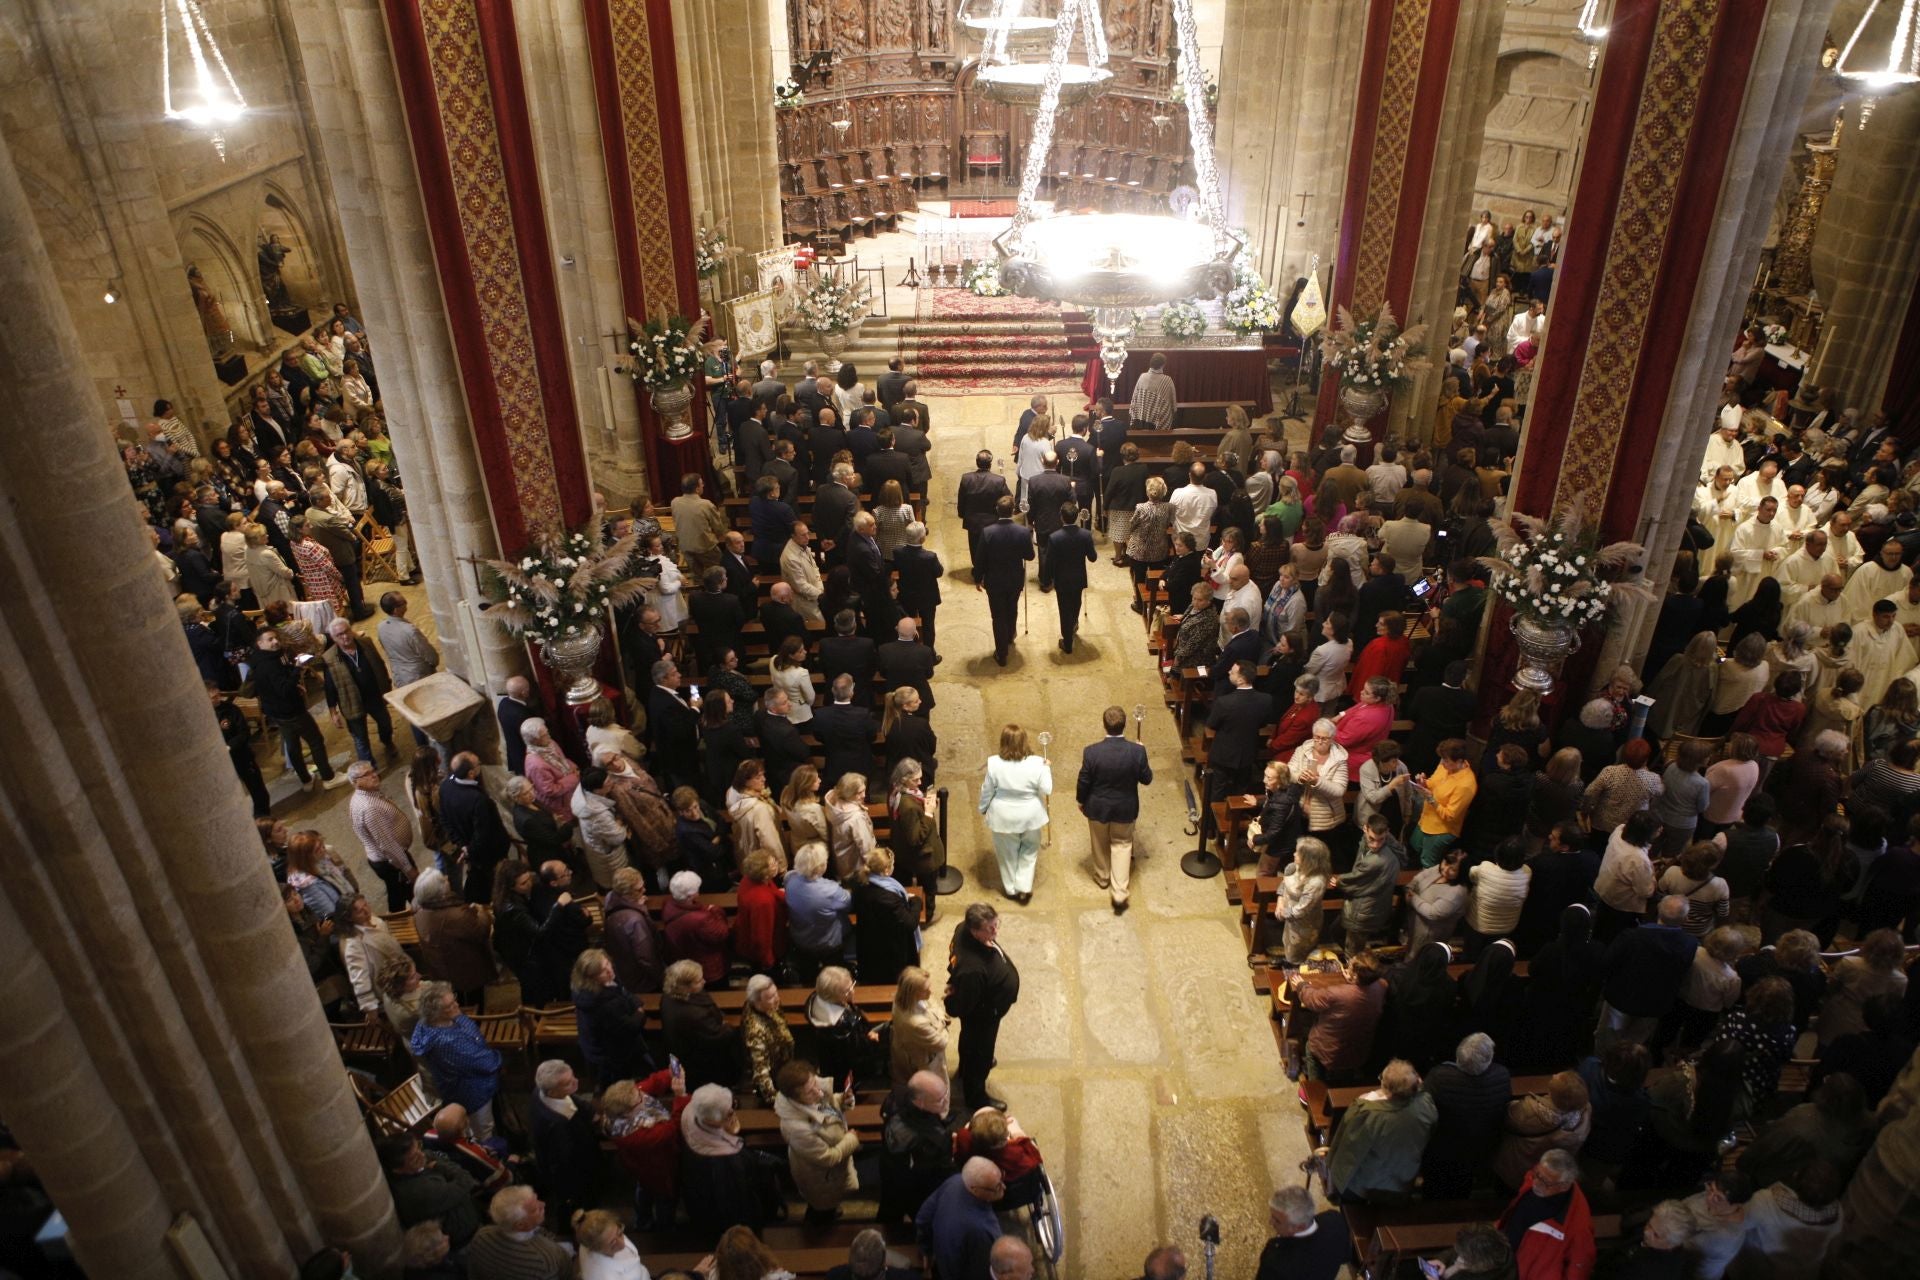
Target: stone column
(347, 78)
(1284, 128)
(1866, 254)
(727, 74)
(1683, 161)
(181, 1057)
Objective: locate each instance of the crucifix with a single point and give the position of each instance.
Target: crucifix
(1303, 197)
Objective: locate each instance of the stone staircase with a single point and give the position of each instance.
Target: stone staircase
(990, 344)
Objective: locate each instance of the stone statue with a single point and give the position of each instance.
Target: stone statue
(936, 24)
(1122, 24)
(849, 26)
(892, 24)
(213, 317)
(271, 254)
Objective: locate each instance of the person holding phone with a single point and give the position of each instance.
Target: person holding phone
(281, 688)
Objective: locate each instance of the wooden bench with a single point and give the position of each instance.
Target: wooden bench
(1384, 1236)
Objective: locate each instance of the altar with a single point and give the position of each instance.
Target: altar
(1200, 374)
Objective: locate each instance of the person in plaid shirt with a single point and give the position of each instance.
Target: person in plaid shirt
(319, 576)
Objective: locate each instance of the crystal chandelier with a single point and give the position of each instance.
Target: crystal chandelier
(1902, 65)
(216, 99)
(1114, 262)
(1006, 79)
(1001, 24)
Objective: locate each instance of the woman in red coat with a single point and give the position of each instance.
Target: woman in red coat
(1385, 655)
(760, 919)
(1365, 725)
(642, 1117)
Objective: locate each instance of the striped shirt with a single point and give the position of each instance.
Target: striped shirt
(1154, 401)
(385, 832)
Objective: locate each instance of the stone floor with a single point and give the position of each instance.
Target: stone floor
(1139, 1057)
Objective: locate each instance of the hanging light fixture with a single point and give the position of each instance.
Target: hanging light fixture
(1589, 29)
(214, 101)
(1114, 262)
(1021, 84)
(998, 24)
(1901, 66)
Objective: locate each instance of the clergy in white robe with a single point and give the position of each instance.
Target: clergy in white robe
(1848, 554)
(1795, 517)
(1823, 606)
(1880, 652)
(1906, 611)
(1756, 549)
(1803, 569)
(1755, 485)
(1713, 507)
(1723, 450)
(1884, 579)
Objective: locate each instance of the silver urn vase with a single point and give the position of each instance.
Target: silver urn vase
(571, 660)
(1544, 649)
(1363, 404)
(832, 343)
(672, 403)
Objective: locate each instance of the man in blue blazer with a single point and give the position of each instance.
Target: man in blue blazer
(1001, 567)
(1069, 552)
(1112, 771)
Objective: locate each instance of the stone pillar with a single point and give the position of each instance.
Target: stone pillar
(347, 76)
(163, 1048)
(1283, 129)
(1866, 254)
(1403, 95)
(727, 73)
(1682, 163)
(464, 90)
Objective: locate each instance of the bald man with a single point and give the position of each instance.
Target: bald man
(1823, 606)
(1010, 1259)
(957, 1226)
(514, 709)
(781, 617)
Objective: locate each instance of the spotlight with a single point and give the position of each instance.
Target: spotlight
(112, 295)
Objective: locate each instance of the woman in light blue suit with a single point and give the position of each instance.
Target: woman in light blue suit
(1013, 799)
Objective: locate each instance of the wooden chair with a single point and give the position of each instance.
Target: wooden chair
(370, 1042)
(405, 1110)
(376, 551)
(987, 152)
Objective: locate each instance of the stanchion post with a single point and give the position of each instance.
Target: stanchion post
(1200, 862)
(950, 880)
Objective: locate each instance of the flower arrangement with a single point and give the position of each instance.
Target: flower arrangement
(983, 278)
(1775, 334)
(1182, 320)
(830, 306)
(562, 585)
(787, 95)
(1550, 570)
(1250, 308)
(1376, 354)
(710, 252)
(1211, 93)
(666, 352)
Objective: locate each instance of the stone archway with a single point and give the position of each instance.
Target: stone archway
(1533, 136)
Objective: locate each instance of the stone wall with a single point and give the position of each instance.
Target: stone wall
(1543, 88)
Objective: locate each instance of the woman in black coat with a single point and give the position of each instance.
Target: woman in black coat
(1417, 1021)
(842, 1041)
(517, 931)
(1562, 992)
(690, 1023)
(907, 734)
(536, 827)
(723, 745)
(886, 926)
(609, 1021)
(1487, 993)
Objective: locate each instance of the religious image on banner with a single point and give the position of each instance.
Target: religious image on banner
(1310, 312)
(774, 269)
(755, 329)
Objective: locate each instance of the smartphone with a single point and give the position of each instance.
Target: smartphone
(673, 1064)
(302, 659)
(1431, 1269)
(693, 691)
(1423, 588)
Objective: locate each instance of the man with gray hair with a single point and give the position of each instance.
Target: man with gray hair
(1642, 974)
(769, 388)
(1348, 480)
(1304, 1246)
(513, 1246)
(807, 393)
(1471, 1094)
(565, 1143)
(385, 831)
(867, 1260)
(357, 683)
(1549, 1224)
(957, 1226)
(917, 573)
(1011, 1259)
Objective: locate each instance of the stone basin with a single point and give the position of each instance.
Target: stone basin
(438, 705)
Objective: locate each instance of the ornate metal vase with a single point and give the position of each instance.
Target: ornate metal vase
(571, 658)
(672, 403)
(832, 343)
(1544, 649)
(1363, 404)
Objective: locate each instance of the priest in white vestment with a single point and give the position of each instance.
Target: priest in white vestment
(1795, 517)
(1823, 606)
(1803, 569)
(1764, 482)
(1713, 507)
(1880, 651)
(1756, 549)
(1723, 450)
(1846, 549)
(1906, 611)
(1884, 579)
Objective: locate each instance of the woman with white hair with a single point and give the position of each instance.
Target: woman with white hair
(695, 1031)
(553, 776)
(367, 947)
(722, 1182)
(843, 1041)
(817, 909)
(764, 1031)
(849, 826)
(455, 935)
(604, 1250)
(1793, 652)
(642, 1119)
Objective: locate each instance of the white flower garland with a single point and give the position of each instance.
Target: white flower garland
(1182, 320)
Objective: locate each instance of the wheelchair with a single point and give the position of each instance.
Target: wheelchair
(1031, 1199)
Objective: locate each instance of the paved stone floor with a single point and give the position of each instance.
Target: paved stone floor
(1139, 1056)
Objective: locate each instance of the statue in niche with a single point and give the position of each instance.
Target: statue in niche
(936, 24)
(892, 24)
(271, 254)
(815, 16)
(213, 316)
(1122, 24)
(849, 25)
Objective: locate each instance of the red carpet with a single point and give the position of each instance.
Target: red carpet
(982, 208)
(970, 343)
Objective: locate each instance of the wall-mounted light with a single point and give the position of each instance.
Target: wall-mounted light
(112, 295)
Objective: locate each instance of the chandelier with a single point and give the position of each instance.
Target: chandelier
(216, 100)
(1002, 24)
(1022, 84)
(1589, 29)
(1902, 65)
(1112, 263)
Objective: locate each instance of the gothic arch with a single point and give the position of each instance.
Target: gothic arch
(228, 272)
(303, 271)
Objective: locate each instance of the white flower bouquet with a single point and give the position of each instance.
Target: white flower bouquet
(1775, 334)
(1250, 308)
(983, 278)
(1182, 320)
(1376, 354)
(710, 252)
(787, 95)
(562, 585)
(666, 352)
(830, 306)
(1550, 570)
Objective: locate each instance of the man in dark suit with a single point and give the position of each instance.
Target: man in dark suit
(514, 708)
(980, 491)
(844, 653)
(783, 468)
(1236, 719)
(863, 439)
(845, 732)
(807, 393)
(886, 463)
(740, 585)
(910, 438)
(1001, 568)
(779, 618)
(904, 661)
(472, 824)
(1047, 493)
(1112, 771)
(871, 577)
(1109, 433)
(1183, 570)
(781, 746)
(1243, 645)
(912, 401)
(718, 615)
(825, 439)
(917, 574)
(566, 1146)
(1384, 590)
(1077, 461)
(752, 446)
(1438, 712)
(673, 728)
(1069, 552)
(891, 386)
(833, 507)
(638, 627)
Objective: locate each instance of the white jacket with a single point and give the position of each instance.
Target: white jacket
(604, 834)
